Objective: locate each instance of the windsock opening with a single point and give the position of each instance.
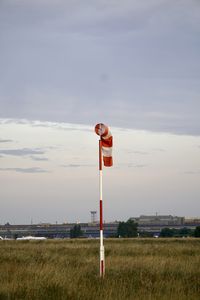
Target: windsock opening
(107, 142)
(101, 129)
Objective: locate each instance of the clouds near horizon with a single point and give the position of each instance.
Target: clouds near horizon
(151, 172)
(20, 152)
(25, 170)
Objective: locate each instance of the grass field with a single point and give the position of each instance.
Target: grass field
(69, 269)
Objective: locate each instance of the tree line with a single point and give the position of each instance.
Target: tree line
(183, 232)
(129, 229)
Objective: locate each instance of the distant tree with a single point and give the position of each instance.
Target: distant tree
(15, 236)
(76, 232)
(185, 232)
(182, 232)
(127, 229)
(145, 234)
(167, 232)
(197, 231)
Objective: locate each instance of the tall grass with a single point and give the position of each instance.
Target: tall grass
(69, 269)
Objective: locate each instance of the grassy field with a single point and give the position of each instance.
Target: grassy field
(69, 269)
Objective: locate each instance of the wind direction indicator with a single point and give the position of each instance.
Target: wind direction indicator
(105, 152)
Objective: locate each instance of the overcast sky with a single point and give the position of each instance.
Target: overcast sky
(131, 64)
(49, 173)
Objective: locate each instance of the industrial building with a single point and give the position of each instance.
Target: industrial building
(90, 230)
(155, 223)
(166, 220)
(151, 224)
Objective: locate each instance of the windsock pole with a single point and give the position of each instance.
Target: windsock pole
(105, 154)
(102, 255)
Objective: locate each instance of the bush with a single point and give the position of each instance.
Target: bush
(127, 229)
(167, 232)
(76, 232)
(197, 231)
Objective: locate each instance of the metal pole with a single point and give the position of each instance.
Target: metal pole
(102, 255)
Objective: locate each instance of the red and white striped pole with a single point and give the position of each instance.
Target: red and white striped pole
(105, 155)
(102, 255)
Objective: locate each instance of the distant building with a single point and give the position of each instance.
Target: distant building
(159, 220)
(152, 224)
(192, 221)
(90, 230)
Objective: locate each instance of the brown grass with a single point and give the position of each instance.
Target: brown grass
(69, 269)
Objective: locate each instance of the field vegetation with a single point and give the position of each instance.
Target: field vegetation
(146, 269)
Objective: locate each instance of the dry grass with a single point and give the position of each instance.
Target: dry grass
(135, 269)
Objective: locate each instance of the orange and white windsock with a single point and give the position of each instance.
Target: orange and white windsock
(107, 143)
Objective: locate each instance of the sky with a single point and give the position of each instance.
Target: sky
(68, 65)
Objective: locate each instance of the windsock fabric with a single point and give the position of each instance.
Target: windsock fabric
(107, 143)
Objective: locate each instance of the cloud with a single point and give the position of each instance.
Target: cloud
(5, 141)
(133, 64)
(25, 170)
(192, 172)
(46, 124)
(60, 126)
(138, 152)
(71, 166)
(137, 166)
(21, 152)
(39, 158)
(159, 150)
(77, 165)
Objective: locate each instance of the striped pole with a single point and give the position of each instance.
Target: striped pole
(105, 155)
(102, 255)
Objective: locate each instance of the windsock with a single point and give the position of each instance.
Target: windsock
(107, 143)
